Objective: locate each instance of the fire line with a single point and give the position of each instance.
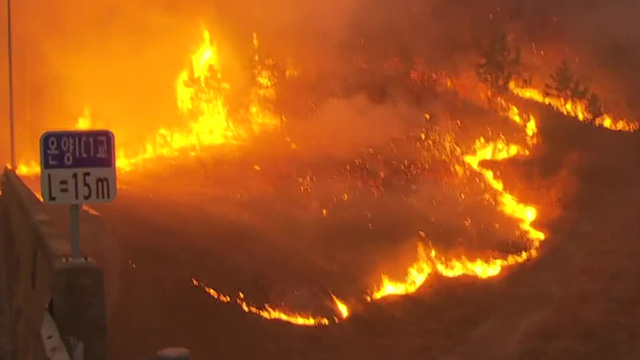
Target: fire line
(202, 92)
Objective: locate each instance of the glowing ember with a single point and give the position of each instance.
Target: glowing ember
(573, 108)
(268, 312)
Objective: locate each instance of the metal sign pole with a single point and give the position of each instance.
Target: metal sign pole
(84, 176)
(11, 124)
(75, 232)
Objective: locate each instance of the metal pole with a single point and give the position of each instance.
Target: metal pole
(75, 232)
(11, 124)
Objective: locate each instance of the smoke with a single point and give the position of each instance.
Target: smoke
(122, 57)
(599, 38)
(116, 58)
(343, 127)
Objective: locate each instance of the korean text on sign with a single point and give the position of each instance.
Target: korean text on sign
(78, 166)
(78, 149)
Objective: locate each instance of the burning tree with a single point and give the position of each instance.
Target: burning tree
(500, 64)
(594, 106)
(205, 89)
(269, 74)
(565, 84)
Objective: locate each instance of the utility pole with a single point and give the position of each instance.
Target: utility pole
(11, 124)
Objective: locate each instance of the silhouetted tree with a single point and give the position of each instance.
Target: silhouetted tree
(594, 106)
(565, 84)
(500, 63)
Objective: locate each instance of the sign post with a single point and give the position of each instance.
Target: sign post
(75, 231)
(12, 130)
(78, 167)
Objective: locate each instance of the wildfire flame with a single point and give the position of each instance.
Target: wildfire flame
(201, 98)
(84, 120)
(341, 306)
(497, 150)
(263, 94)
(201, 95)
(32, 167)
(573, 108)
(270, 313)
(429, 262)
(29, 168)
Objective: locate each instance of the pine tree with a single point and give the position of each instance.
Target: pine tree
(594, 106)
(565, 84)
(500, 64)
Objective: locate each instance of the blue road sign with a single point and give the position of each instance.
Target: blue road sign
(77, 149)
(78, 166)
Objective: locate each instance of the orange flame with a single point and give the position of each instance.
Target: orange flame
(270, 313)
(341, 306)
(429, 263)
(29, 168)
(84, 120)
(573, 108)
(262, 95)
(200, 93)
(417, 274)
(201, 98)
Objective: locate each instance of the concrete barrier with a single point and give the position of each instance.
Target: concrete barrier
(42, 277)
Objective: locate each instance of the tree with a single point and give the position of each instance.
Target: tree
(594, 106)
(500, 63)
(565, 84)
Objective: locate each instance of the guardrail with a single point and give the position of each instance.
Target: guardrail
(55, 305)
(41, 277)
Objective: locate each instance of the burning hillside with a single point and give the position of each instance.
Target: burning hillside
(202, 98)
(466, 165)
(453, 157)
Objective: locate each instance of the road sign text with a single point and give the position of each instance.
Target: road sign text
(78, 166)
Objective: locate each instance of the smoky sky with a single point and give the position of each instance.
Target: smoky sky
(122, 57)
